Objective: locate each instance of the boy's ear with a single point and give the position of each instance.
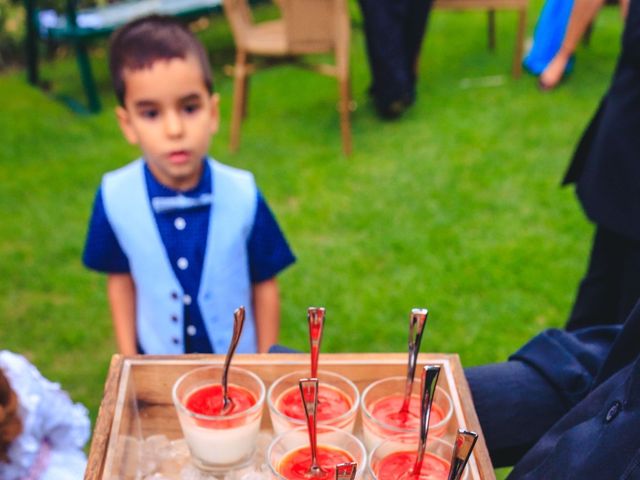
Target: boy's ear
(215, 113)
(124, 120)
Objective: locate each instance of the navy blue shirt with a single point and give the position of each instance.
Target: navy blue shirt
(184, 235)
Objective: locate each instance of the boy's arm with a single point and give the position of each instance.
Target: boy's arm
(266, 307)
(122, 300)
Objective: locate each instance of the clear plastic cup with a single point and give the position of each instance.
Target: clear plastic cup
(291, 441)
(288, 384)
(436, 463)
(219, 443)
(375, 430)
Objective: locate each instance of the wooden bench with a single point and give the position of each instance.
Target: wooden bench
(79, 27)
(520, 6)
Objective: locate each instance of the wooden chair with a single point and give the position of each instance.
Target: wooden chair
(305, 27)
(520, 6)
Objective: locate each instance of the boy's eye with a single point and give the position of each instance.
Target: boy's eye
(149, 113)
(191, 107)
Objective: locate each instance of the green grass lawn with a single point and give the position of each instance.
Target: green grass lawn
(456, 206)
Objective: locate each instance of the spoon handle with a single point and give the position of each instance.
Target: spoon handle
(315, 316)
(462, 448)
(417, 321)
(346, 471)
(429, 379)
(309, 394)
(238, 322)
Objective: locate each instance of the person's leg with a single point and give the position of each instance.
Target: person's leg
(515, 406)
(598, 298)
(582, 14)
(383, 27)
(416, 20)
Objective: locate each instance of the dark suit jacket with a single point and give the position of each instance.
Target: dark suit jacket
(598, 436)
(606, 164)
(583, 387)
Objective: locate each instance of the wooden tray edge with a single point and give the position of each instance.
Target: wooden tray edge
(102, 429)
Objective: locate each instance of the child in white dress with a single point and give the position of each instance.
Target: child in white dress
(42, 432)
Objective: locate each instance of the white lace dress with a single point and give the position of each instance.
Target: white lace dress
(55, 430)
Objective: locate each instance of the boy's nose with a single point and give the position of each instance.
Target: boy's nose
(173, 124)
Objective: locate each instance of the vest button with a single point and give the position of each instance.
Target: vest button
(176, 341)
(183, 263)
(180, 223)
(174, 295)
(613, 411)
(187, 299)
(191, 330)
(174, 318)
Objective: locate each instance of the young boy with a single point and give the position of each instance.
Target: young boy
(183, 239)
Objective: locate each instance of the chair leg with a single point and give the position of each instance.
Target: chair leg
(491, 19)
(245, 97)
(239, 99)
(31, 43)
(345, 123)
(84, 65)
(519, 47)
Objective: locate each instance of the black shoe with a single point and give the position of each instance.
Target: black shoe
(395, 108)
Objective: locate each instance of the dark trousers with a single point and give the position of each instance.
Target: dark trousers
(515, 406)
(611, 286)
(394, 30)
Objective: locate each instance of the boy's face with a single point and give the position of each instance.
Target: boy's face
(171, 116)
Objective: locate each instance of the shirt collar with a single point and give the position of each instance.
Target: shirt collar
(155, 188)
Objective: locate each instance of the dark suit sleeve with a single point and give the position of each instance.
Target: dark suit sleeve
(519, 400)
(631, 35)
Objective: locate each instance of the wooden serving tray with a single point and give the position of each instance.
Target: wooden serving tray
(137, 397)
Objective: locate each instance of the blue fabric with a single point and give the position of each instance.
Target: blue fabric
(548, 36)
(102, 251)
(225, 281)
(277, 348)
(189, 243)
(184, 235)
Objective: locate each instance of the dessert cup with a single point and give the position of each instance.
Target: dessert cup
(329, 382)
(219, 443)
(375, 430)
(283, 446)
(437, 455)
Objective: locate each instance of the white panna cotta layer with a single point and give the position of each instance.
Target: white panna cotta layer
(227, 446)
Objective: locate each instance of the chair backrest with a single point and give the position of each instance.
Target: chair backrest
(240, 18)
(315, 25)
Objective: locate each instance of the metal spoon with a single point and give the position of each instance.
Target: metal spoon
(315, 316)
(429, 379)
(417, 321)
(238, 322)
(346, 471)
(309, 394)
(462, 448)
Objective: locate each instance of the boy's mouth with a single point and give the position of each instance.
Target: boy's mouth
(178, 156)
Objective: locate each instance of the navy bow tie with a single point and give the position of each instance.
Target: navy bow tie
(180, 202)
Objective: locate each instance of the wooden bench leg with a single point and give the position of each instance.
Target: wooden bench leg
(88, 83)
(519, 47)
(491, 18)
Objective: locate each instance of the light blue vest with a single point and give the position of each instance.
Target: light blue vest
(225, 283)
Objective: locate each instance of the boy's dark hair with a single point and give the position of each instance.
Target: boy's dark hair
(10, 424)
(142, 42)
